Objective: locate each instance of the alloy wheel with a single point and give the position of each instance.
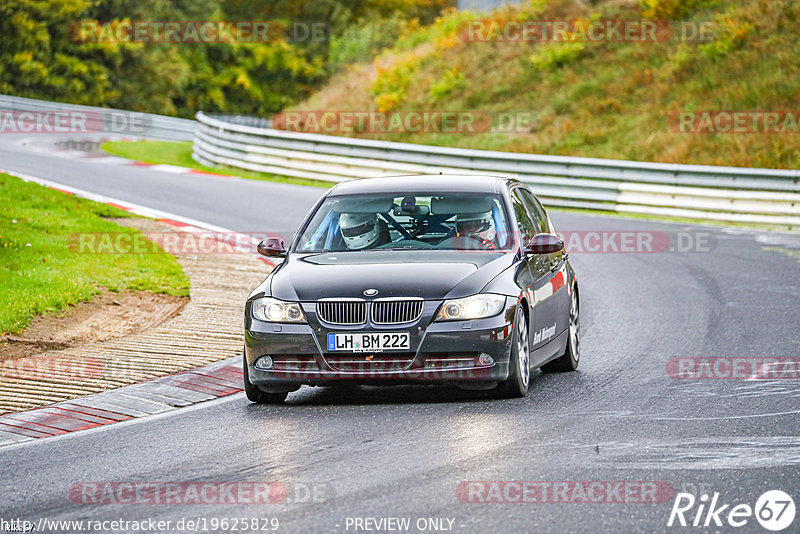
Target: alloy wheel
(523, 351)
(575, 327)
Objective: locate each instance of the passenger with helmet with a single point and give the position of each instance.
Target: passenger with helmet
(363, 230)
(479, 226)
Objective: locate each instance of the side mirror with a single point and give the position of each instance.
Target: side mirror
(272, 247)
(544, 244)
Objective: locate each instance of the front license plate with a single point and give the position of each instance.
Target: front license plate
(369, 342)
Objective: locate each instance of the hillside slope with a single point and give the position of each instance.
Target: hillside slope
(597, 98)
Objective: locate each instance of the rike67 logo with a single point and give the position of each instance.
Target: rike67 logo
(774, 510)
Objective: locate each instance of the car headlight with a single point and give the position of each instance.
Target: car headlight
(277, 311)
(474, 307)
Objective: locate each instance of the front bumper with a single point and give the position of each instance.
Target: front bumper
(440, 352)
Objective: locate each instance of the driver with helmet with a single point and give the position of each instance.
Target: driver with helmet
(479, 226)
(363, 230)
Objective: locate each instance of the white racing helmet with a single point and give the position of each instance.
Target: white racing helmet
(359, 230)
(478, 225)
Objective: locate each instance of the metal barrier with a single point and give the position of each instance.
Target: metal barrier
(761, 196)
(94, 120)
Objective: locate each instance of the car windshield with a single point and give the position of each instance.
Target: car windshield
(452, 221)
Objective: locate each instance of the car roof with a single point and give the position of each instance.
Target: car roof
(422, 183)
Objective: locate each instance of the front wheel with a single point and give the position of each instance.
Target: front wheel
(256, 394)
(519, 365)
(572, 354)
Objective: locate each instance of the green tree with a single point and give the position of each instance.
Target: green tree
(38, 59)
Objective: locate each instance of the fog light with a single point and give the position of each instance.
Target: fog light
(264, 362)
(485, 359)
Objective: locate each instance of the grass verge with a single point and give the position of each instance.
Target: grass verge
(40, 272)
(579, 96)
(180, 153)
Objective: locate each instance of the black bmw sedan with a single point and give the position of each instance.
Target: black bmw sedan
(414, 279)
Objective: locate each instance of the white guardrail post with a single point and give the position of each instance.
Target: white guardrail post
(734, 194)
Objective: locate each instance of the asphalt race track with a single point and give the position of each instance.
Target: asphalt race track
(402, 452)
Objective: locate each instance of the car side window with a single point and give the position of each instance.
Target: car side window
(536, 212)
(526, 226)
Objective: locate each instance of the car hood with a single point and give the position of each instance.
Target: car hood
(413, 273)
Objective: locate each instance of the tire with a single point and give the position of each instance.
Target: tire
(519, 365)
(255, 394)
(569, 361)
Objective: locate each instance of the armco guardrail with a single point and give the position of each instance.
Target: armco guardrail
(763, 196)
(104, 120)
